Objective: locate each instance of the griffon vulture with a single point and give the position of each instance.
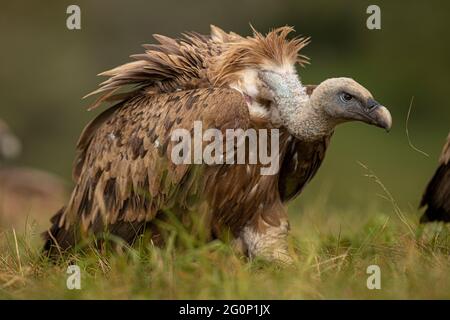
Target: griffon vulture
(125, 179)
(437, 194)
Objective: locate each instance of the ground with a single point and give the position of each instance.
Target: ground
(332, 251)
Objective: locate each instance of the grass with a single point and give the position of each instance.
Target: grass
(332, 252)
(332, 248)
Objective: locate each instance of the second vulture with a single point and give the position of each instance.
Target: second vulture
(126, 181)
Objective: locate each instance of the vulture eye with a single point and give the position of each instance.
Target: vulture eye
(346, 97)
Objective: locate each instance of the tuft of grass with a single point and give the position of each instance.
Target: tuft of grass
(332, 252)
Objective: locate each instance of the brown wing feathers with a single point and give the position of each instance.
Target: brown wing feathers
(300, 163)
(171, 65)
(125, 173)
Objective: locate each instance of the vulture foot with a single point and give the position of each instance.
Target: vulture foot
(269, 244)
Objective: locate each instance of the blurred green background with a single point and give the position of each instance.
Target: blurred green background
(46, 69)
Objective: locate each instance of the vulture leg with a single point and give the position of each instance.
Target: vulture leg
(265, 236)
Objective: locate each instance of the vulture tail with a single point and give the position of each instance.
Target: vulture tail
(58, 239)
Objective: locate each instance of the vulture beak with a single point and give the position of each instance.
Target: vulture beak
(378, 115)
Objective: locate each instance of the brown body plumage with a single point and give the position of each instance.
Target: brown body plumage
(437, 194)
(123, 172)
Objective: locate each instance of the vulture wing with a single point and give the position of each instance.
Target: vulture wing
(300, 164)
(437, 193)
(124, 174)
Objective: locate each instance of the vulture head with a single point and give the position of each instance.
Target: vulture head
(344, 99)
(335, 101)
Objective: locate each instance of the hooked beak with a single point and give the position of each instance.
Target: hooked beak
(378, 115)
